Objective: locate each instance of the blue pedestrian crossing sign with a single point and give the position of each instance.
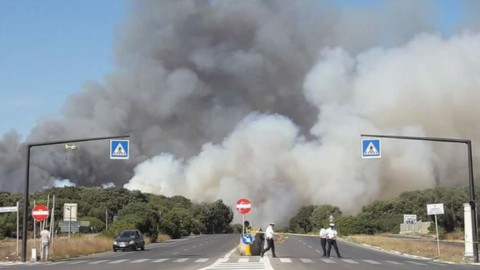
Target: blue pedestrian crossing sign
(247, 239)
(371, 148)
(119, 149)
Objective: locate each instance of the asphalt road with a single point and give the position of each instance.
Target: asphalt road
(216, 252)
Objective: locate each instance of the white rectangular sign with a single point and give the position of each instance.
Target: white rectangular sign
(409, 219)
(435, 209)
(8, 209)
(70, 212)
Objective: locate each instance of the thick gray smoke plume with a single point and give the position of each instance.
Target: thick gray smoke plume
(267, 100)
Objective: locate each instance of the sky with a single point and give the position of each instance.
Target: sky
(51, 48)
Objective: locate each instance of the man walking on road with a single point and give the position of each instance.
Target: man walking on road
(269, 234)
(332, 240)
(323, 240)
(45, 239)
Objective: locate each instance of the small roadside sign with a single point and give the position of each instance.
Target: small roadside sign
(40, 212)
(243, 206)
(8, 209)
(247, 239)
(119, 149)
(371, 148)
(435, 209)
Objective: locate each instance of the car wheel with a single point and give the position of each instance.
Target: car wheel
(114, 250)
(143, 247)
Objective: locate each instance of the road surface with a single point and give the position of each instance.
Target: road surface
(217, 252)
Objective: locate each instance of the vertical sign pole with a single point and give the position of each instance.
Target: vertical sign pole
(243, 225)
(18, 218)
(438, 240)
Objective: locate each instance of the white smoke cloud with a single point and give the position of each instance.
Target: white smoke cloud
(425, 88)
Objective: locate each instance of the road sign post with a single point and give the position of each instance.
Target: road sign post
(243, 206)
(436, 209)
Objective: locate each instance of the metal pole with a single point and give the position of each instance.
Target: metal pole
(470, 177)
(27, 181)
(69, 220)
(18, 219)
(473, 204)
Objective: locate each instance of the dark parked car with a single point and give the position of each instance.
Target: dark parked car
(129, 239)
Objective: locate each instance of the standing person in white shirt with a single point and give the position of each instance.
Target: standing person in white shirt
(269, 234)
(323, 240)
(45, 239)
(332, 240)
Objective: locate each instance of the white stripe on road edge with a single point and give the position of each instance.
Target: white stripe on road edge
(306, 260)
(371, 262)
(139, 261)
(394, 262)
(328, 260)
(54, 263)
(416, 263)
(118, 261)
(201, 260)
(76, 262)
(97, 262)
(181, 260)
(160, 260)
(285, 260)
(243, 260)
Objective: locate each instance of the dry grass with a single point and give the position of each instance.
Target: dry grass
(62, 247)
(449, 250)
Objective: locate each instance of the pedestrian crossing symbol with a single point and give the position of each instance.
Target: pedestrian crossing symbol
(119, 149)
(371, 148)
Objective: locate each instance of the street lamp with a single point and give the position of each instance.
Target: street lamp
(29, 147)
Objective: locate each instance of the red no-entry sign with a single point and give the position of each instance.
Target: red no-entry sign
(243, 206)
(40, 212)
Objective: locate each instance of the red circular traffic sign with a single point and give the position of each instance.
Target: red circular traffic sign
(40, 212)
(243, 206)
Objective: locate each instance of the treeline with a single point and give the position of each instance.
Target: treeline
(385, 216)
(175, 216)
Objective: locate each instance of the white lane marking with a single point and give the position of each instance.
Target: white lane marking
(328, 260)
(181, 260)
(160, 260)
(97, 262)
(349, 261)
(55, 263)
(371, 262)
(285, 260)
(243, 260)
(394, 262)
(139, 261)
(201, 260)
(118, 261)
(306, 260)
(416, 263)
(76, 262)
